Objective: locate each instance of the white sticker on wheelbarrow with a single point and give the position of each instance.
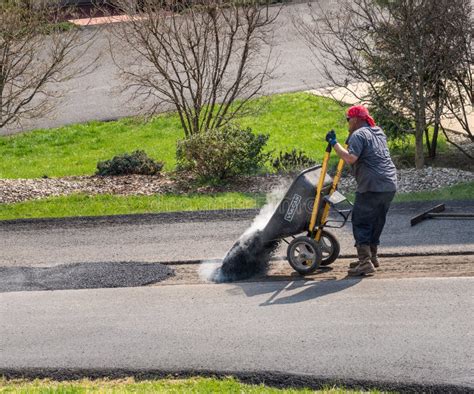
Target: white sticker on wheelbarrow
(295, 202)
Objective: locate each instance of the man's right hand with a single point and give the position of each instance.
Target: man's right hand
(331, 137)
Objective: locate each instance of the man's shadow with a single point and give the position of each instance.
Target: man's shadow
(299, 289)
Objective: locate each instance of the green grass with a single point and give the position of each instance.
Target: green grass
(76, 149)
(58, 27)
(83, 205)
(297, 120)
(463, 191)
(460, 192)
(192, 385)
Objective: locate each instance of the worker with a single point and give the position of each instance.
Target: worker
(376, 178)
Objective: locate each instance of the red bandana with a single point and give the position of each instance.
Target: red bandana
(359, 111)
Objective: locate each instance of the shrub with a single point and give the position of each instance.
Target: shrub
(136, 163)
(394, 124)
(292, 161)
(219, 154)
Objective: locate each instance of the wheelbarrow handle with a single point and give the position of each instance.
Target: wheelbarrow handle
(325, 213)
(319, 188)
(316, 166)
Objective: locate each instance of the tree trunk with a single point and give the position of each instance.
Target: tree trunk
(437, 121)
(420, 126)
(427, 139)
(419, 159)
(434, 140)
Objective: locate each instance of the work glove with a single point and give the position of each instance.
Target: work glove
(331, 137)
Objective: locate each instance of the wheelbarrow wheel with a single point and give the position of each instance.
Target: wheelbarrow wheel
(330, 248)
(304, 255)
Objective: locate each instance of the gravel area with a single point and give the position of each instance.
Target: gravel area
(412, 180)
(18, 190)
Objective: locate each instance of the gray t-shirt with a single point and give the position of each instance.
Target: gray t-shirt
(374, 171)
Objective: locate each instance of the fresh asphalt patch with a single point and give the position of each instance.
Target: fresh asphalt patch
(82, 276)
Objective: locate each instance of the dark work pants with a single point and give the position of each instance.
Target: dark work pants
(368, 216)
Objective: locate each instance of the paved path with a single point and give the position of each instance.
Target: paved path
(97, 96)
(387, 333)
(163, 238)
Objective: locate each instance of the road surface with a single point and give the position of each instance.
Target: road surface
(396, 334)
(164, 238)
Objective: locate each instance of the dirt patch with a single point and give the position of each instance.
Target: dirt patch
(394, 267)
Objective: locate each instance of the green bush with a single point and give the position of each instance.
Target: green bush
(136, 163)
(220, 154)
(292, 161)
(394, 124)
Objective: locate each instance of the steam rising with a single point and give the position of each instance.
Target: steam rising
(251, 253)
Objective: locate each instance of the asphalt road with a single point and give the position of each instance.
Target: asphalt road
(385, 333)
(98, 95)
(395, 334)
(164, 238)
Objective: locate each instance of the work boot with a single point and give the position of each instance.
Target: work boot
(361, 255)
(364, 265)
(354, 264)
(373, 256)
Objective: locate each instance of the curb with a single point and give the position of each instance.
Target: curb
(269, 378)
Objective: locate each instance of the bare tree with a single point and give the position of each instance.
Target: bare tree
(35, 54)
(404, 51)
(206, 58)
(459, 101)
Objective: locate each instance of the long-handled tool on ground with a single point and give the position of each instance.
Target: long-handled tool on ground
(435, 212)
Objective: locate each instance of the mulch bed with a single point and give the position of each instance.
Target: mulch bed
(18, 190)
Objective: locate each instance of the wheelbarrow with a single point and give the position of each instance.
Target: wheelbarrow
(302, 218)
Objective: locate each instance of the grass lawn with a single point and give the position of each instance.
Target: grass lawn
(463, 191)
(296, 120)
(82, 205)
(192, 385)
